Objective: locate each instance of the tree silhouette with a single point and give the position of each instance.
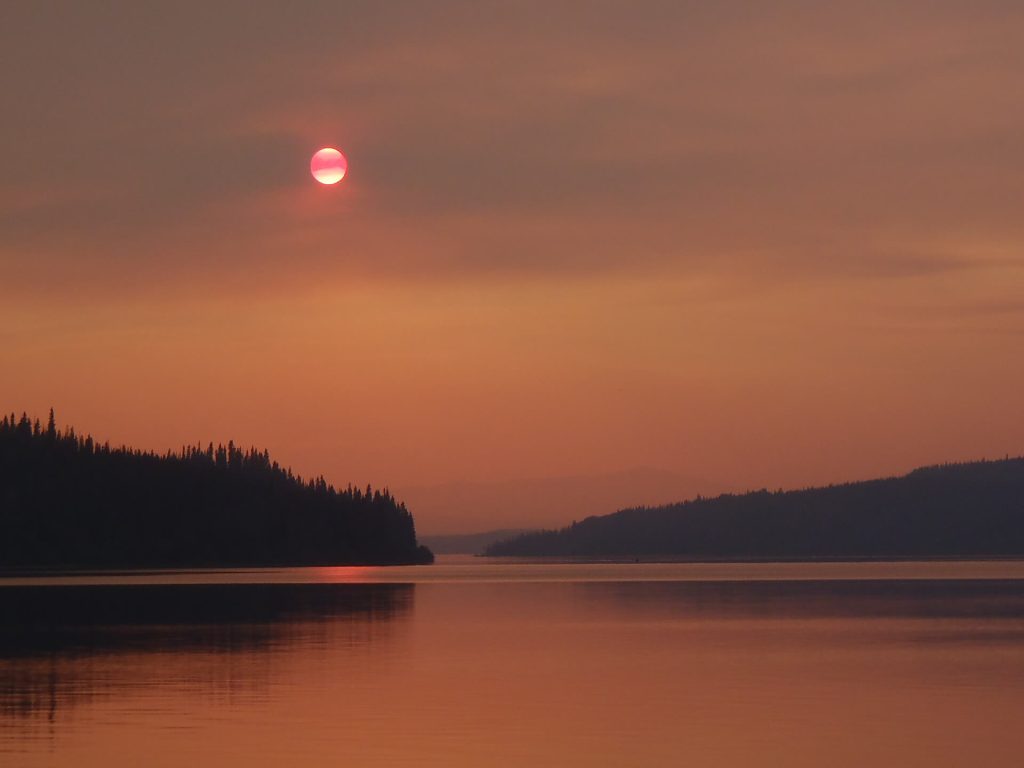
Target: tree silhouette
(66, 501)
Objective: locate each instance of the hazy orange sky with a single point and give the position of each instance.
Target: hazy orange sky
(732, 244)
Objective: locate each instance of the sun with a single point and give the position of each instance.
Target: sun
(328, 166)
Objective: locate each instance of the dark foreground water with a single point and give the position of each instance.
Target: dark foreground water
(470, 663)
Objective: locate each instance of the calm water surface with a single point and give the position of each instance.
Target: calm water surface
(476, 663)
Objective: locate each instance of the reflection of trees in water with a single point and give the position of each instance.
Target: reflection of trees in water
(816, 599)
(64, 645)
(918, 611)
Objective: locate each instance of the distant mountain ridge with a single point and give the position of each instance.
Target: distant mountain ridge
(468, 543)
(973, 509)
(534, 503)
(69, 502)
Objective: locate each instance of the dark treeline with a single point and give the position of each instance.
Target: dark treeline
(954, 510)
(68, 502)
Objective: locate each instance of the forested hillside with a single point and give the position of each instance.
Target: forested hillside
(955, 510)
(66, 501)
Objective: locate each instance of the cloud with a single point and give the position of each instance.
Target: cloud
(157, 147)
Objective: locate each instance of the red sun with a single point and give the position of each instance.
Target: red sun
(328, 166)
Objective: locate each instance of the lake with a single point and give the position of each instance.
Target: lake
(477, 663)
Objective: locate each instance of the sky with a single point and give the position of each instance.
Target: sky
(669, 247)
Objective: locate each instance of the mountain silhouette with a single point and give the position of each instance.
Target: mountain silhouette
(972, 509)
